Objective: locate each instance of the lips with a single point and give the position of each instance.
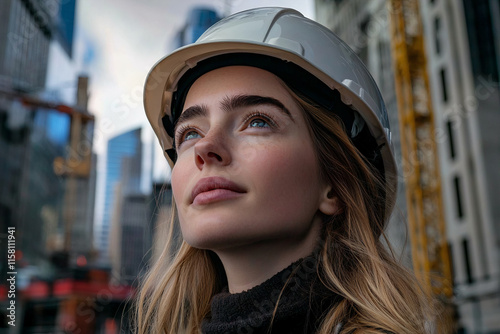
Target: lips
(212, 189)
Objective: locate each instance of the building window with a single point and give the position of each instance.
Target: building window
(458, 197)
(451, 138)
(437, 34)
(444, 86)
(466, 257)
(480, 30)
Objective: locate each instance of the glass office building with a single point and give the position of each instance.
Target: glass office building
(124, 154)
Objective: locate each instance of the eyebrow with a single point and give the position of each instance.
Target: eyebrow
(240, 101)
(230, 103)
(190, 113)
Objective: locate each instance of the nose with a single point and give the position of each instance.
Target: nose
(212, 150)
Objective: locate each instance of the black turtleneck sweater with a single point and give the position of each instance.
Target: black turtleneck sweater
(300, 309)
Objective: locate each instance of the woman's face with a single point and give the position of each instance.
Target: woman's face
(246, 171)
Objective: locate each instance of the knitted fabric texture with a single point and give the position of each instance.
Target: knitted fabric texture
(300, 308)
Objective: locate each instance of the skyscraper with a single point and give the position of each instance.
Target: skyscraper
(25, 35)
(199, 20)
(34, 133)
(122, 149)
(131, 237)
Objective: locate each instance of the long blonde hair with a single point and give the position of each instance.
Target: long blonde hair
(379, 294)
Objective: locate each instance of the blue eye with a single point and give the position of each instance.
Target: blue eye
(184, 134)
(258, 123)
(190, 135)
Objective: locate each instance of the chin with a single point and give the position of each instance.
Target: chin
(213, 231)
(214, 240)
(210, 244)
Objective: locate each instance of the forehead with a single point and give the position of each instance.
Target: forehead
(233, 80)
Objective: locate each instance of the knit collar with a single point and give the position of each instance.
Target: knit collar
(303, 300)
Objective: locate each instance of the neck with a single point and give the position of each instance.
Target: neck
(250, 265)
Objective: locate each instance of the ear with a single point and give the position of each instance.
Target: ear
(329, 202)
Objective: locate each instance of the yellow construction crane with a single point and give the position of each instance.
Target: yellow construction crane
(431, 259)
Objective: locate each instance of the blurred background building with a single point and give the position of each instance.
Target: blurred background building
(199, 20)
(124, 235)
(37, 134)
(462, 43)
(124, 157)
(48, 175)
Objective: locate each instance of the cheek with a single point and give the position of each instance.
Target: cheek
(288, 171)
(179, 178)
(175, 181)
(178, 181)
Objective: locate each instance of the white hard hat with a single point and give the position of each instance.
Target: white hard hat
(307, 56)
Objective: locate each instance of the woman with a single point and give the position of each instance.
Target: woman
(283, 179)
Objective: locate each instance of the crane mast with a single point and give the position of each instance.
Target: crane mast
(430, 253)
